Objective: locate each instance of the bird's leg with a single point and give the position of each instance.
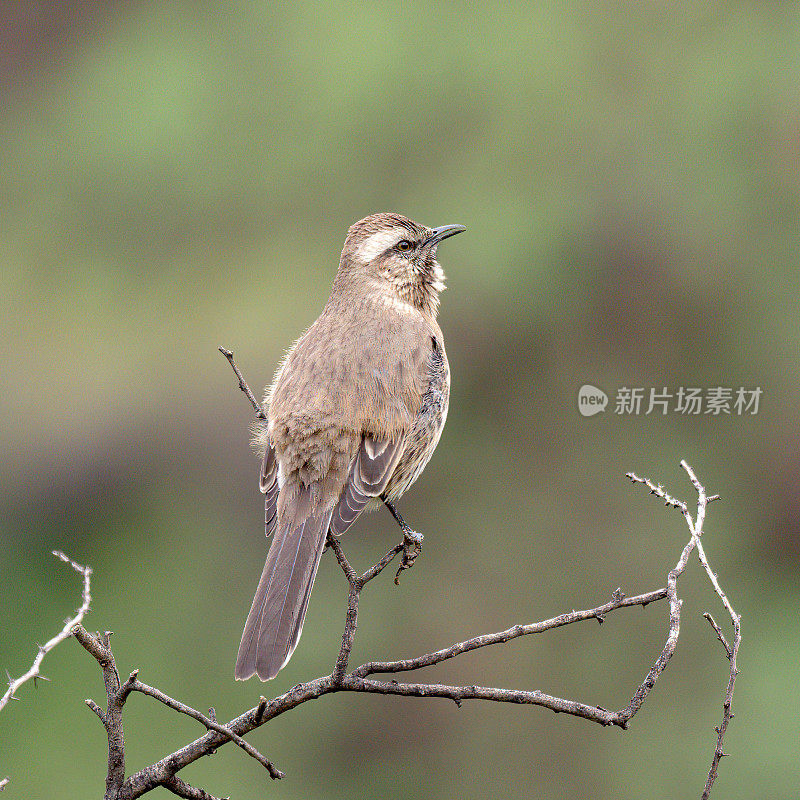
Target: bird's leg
(412, 541)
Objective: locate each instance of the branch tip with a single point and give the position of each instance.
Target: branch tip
(261, 708)
(243, 384)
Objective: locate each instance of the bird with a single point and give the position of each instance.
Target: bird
(354, 413)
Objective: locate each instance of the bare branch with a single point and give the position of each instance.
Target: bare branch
(96, 708)
(243, 384)
(713, 623)
(459, 693)
(696, 529)
(138, 686)
(64, 633)
(164, 772)
(116, 786)
(429, 659)
(183, 789)
(99, 646)
(731, 650)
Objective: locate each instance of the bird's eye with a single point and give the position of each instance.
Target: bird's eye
(404, 246)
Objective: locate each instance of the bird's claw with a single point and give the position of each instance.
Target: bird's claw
(412, 547)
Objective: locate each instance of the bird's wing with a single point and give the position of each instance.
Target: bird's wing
(268, 483)
(370, 473)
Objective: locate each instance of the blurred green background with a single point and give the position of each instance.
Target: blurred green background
(179, 176)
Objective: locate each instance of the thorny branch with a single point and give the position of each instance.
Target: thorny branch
(342, 678)
(33, 671)
(164, 772)
(64, 633)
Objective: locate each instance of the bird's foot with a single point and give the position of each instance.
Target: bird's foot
(412, 547)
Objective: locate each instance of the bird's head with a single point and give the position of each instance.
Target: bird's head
(396, 256)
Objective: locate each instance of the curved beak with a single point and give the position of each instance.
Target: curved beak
(442, 232)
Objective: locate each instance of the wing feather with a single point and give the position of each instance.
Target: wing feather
(370, 473)
(268, 483)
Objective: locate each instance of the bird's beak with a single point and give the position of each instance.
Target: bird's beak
(443, 232)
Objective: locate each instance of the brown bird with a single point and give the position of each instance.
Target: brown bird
(354, 414)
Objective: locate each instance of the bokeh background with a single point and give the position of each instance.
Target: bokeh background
(178, 176)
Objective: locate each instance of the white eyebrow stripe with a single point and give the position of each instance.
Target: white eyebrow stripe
(378, 242)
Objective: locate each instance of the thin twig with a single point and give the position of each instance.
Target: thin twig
(349, 634)
(243, 384)
(485, 640)
(727, 714)
(351, 619)
(378, 567)
(493, 694)
(673, 632)
(64, 633)
(183, 789)
(658, 491)
(138, 686)
(723, 641)
(96, 708)
(348, 570)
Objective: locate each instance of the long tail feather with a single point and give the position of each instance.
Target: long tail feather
(276, 617)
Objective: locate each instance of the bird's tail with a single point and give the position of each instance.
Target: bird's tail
(276, 617)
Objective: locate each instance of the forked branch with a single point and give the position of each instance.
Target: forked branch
(342, 678)
(696, 529)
